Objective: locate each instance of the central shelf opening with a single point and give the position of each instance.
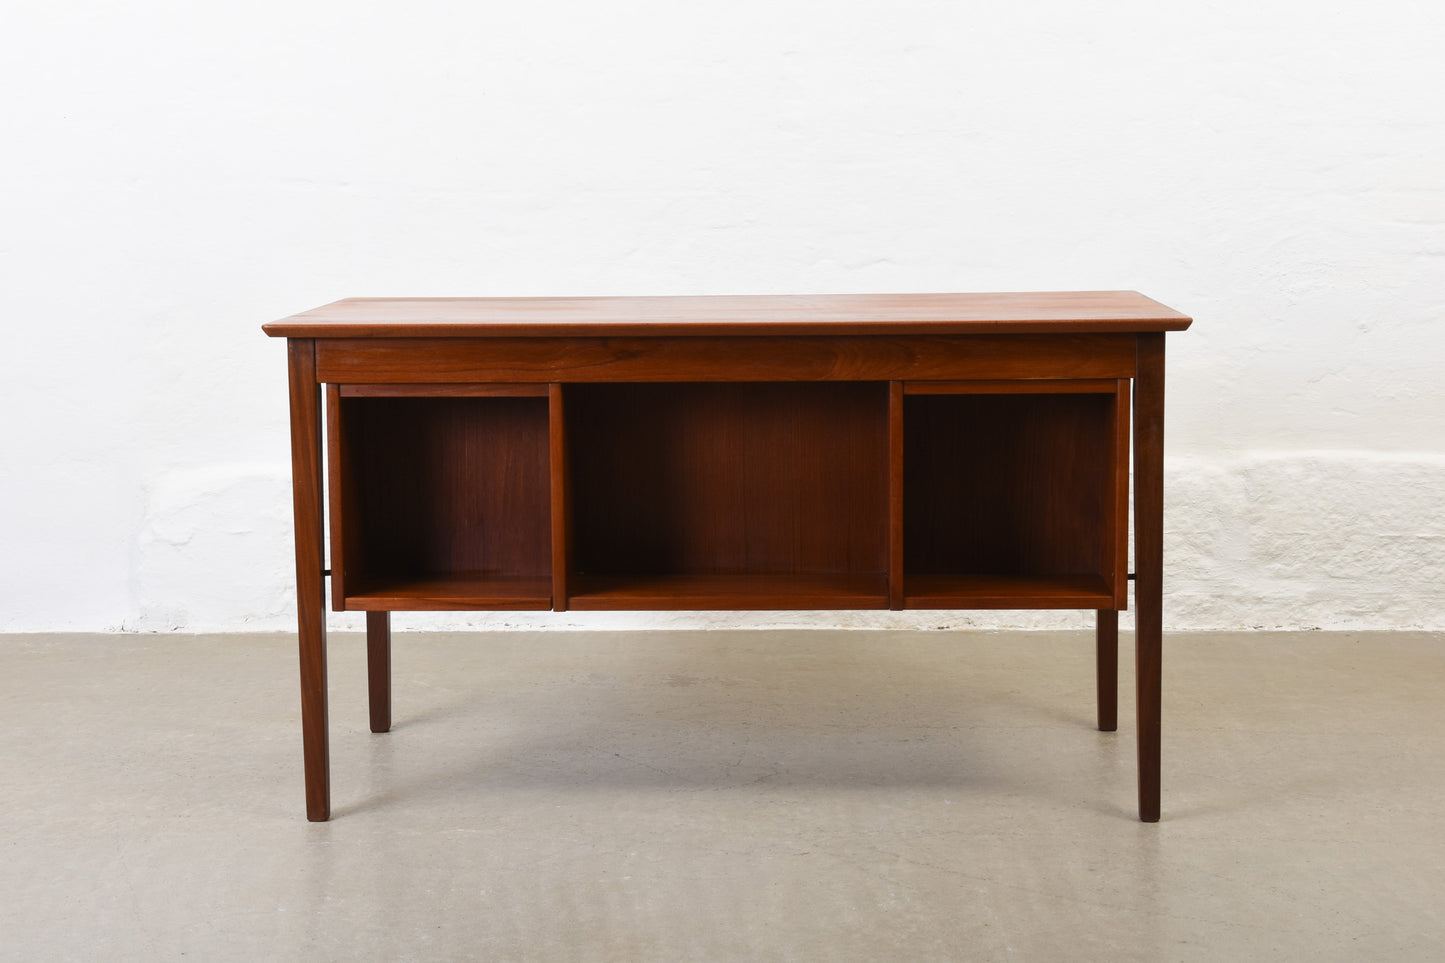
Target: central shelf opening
(728, 495)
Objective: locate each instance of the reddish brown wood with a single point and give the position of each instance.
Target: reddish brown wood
(339, 478)
(1149, 564)
(870, 314)
(443, 488)
(728, 479)
(950, 451)
(1013, 485)
(895, 495)
(444, 391)
(712, 358)
(347, 442)
(451, 592)
(1118, 521)
(1106, 667)
(1053, 387)
(963, 591)
(559, 494)
(731, 592)
(378, 669)
(310, 583)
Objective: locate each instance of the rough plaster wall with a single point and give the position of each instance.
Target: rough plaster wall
(175, 174)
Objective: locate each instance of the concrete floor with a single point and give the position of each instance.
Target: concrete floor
(723, 796)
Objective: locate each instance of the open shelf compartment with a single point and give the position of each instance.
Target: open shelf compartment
(727, 495)
(439, 498)
(1015, 495)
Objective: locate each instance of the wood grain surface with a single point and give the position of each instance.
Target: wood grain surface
(1009, 485)
(732, 315)
(430, 488)
(845, 358)
(728, 479)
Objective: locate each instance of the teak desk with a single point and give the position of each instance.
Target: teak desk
(956, 451)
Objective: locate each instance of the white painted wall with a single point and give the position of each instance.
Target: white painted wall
(175, 173)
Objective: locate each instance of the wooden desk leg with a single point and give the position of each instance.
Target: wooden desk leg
(1106, 660)
(378, 669)
(310, 580)
(1149, 562)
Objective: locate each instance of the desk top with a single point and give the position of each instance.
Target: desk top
(758, 315)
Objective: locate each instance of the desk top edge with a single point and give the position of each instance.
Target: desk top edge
(759, 315)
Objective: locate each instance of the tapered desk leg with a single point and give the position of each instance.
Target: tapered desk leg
(310, 579)
(1106, 661)
(1149, 562)
(378, 669)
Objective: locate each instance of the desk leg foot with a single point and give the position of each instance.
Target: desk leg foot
(314, 739)
(378, 669)
(1147, 665)
(1106, 662)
